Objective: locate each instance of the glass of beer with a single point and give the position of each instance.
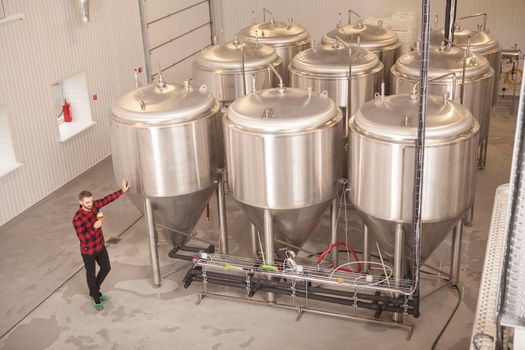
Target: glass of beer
(100, 215)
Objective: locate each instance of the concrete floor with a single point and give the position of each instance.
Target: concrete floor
(43, 284)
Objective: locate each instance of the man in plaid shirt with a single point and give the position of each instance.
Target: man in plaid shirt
(88, 226)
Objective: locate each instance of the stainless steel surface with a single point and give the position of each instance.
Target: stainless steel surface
(221, 68)
(381, 167)
(377, 39)
(398, 260)
(164, 140)
(325, 68)
(333, 231)
(282, 152)
(366, 248)
(221, 204)
(253, 233)
(287, 39)
(484, 321)
(457, 235)
(268, 244)
(153, 247)
(512, 282)
(478, 87)
(481, 42)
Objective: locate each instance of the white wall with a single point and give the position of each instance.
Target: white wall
(175, 32)
(505, 17)
(49, 45)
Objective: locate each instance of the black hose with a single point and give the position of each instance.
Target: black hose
(449, 319)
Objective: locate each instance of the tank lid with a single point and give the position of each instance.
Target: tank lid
(227, 56)
(163, 104)
(443, 60)
(371, 36)
(395, 117)
(282, 110)
(333, 59)
(480, 42)
(274, 33)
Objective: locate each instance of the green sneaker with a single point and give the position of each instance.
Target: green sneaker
(103, 297)
(98, 307)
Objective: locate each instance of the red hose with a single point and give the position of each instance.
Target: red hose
(321, 257)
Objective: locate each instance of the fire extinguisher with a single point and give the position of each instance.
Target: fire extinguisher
(66, 110)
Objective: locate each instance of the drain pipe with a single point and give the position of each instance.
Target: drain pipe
(420, 147)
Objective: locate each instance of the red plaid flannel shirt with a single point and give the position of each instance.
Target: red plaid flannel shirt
(91, 239)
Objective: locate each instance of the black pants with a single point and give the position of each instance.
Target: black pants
(94, 281)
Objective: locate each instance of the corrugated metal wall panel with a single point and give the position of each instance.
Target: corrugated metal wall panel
(163, 31)
(181, 71)
(505, 18)
(170, 54)
(156, 9)
(49, 45)
(175, 30)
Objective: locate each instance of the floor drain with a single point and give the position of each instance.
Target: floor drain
(113, 240)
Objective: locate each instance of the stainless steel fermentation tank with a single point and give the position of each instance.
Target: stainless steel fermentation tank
(381, 41)
(326, 67)
(381, 170)
(235, 68)
(165, 140)
(469, 71)
(479, 41)
(283, 155)
(288, 39)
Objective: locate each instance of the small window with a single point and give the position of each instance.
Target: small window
(8, 161)
(72, 108)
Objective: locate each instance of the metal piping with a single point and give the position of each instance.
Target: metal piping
(457, 235)
(420, 144)
(398, 260)
(333, 229)
(350, 16)
(268, 242)
(462, 91)
(454, 83)
(265, 11)
(281, 85)
(484, 28)
(243, 70)
(349, 298)
(253, 235)
(349, 82)
(153, 247)
(366, 248)
(450, 19)
(145, 41)
(221, 204)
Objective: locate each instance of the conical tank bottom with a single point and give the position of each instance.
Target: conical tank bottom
(176, 217)
(291, 226)
(433, 234)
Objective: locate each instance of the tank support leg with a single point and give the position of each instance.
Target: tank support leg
(333, 229)
(253, 232)
(457, 235)
(483, 154)
(268, 242)
(399, 260)
(153, 247)
(366, 248)
(221, 204)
